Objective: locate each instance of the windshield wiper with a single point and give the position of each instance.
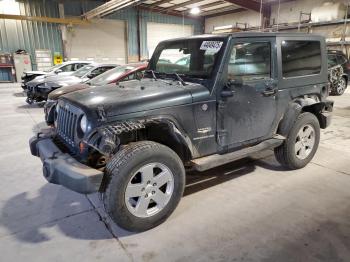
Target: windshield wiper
(153, 74)
(180, 79)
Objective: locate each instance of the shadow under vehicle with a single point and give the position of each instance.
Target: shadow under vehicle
(133, 144)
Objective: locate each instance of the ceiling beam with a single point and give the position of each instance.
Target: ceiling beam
(191, 2)
(160, 3)
(109, 7)
(162, 10)
(247, 4)
(211, 4)
(71, 21)
(222, 11)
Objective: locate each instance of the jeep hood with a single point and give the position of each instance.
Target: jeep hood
(136, 96)
(54, 95)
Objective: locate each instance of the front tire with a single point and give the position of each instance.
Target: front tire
(301, 144)
(146, 183)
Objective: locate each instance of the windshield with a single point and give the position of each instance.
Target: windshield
(191, 57)
(53, 68)
(83, 71)
(110, 75)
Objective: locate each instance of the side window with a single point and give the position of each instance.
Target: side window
(67, 68)
(250, 61)
(100, 70)
(301, 58)
(78, 66)
(332, 60)
(341, 59)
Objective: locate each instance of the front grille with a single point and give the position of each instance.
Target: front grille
(67, 119)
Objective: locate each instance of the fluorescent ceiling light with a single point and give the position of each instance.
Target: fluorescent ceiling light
(195, 11)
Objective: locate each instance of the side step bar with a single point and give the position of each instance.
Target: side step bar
(208, 162)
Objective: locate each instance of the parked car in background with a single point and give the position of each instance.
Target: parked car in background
(116, 75)
(39, 88)
(339, 71)
(65, 68)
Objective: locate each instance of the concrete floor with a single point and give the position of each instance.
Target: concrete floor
(250, 210)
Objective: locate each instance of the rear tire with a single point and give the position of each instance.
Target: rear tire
(301, 144)
(146, 183)
(339, 89)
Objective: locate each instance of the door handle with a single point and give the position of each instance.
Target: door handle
(269, 92)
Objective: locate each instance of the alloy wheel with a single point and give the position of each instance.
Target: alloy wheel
(149, 190)
(304, 142)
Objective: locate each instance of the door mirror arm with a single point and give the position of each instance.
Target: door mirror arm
(235, 82)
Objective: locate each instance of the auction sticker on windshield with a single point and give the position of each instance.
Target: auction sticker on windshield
(211, 46)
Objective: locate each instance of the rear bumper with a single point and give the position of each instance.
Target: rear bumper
(62, 169)
(325, 116)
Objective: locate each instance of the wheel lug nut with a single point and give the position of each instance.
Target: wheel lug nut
(148, 182)
(153, 192)
(143, 189)
(154, 184)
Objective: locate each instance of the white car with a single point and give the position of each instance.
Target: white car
(66, 68)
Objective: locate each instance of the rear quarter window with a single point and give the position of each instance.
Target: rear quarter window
(301, 58)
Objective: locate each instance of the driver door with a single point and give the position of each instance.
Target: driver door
(247, 103)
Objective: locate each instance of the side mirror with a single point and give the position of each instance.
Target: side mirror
(235, 82)
(90, 76)
(58, 71)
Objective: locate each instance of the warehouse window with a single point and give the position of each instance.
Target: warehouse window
(250, 61)
(301, 58)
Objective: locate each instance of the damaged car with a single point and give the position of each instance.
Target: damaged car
(111, 77)
(39, 88)
(133, 144)
(66, 68)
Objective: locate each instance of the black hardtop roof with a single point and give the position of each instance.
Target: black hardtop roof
(246, 35)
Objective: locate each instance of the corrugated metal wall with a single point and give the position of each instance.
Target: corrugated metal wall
(130, 16)
(147, 16)
(28, 35)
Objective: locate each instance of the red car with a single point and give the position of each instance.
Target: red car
(118, 74)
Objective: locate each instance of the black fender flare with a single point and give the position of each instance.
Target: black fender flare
(105, 138)
(321, 109)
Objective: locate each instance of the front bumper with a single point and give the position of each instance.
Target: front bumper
(62, 169)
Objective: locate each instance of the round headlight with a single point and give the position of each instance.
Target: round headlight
(83, 124)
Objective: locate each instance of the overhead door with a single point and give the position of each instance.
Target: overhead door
(157, 32)
(104, 40)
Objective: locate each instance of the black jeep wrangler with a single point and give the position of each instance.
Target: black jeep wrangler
(236, 95)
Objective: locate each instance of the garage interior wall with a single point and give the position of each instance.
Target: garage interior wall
(76, 8)
(289, 12)
(28, 35)
(102, 41)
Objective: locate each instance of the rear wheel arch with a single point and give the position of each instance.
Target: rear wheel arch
(300, 106)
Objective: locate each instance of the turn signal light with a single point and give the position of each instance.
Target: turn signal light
(81, 147)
